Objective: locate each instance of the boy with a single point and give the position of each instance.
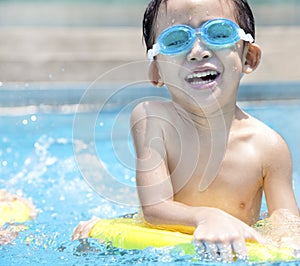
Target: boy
(201, 160)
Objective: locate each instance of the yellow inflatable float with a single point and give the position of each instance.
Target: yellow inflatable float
(129, 233)
(14, 211)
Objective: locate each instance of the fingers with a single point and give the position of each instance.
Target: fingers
(212, 250)
(226, 252)
(77, 234)
(222, 252)
(240, 250)
(83, 229)
(224, 247)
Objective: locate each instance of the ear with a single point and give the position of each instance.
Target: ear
(252, 58)
(154, 75)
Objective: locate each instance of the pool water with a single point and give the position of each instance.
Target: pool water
(37, 161)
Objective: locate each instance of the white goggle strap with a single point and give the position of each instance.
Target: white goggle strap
(246, 37)
(154, 51)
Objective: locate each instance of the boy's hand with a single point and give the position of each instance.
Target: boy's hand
(84, 228)
(283, 229)
(223, 235)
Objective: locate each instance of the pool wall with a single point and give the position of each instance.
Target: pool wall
(72, 98)
(82, 55)
(77, 41)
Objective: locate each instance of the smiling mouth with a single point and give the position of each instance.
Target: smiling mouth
(202, 78)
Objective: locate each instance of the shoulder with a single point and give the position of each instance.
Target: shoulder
(148, 108)
(151, 112)
(148, 128)
(265, 134)
(271, 145)
(148, 118)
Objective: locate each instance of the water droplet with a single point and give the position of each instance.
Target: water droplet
(27, 161)
(62, 198)
(33, 118)
(25, 122)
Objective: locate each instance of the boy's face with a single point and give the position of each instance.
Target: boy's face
(184, 73)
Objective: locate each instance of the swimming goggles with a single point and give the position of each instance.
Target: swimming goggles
(217, 33)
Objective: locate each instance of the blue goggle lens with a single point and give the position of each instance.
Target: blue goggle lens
(216, 33)
(220, 33)
(176, 39)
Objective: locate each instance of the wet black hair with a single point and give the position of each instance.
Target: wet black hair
(243, 16)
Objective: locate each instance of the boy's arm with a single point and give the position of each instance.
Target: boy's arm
(284, 218)
(155, 191)
(278, 183)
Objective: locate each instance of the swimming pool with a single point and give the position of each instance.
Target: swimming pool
(37, 148)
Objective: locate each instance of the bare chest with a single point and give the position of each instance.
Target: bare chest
(231, 174)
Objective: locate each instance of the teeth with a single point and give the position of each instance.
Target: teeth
(202, 74)
(202, 78)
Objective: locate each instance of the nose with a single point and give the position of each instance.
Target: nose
(199, 52)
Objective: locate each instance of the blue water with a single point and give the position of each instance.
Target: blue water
(37, 161)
